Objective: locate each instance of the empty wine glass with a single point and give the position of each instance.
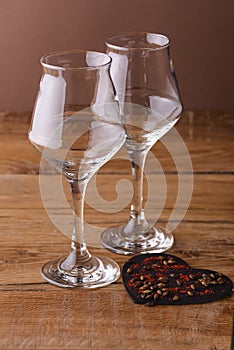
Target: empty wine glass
(148, 96)
(76, 126)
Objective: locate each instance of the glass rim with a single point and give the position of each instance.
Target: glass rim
(118, 47)
(64, 52)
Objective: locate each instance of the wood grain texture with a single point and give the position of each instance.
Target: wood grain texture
(37, 315)
(207, 135)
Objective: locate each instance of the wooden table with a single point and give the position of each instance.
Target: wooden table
(37, 315)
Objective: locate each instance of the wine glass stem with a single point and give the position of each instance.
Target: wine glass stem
(137, 162)
(78, 245)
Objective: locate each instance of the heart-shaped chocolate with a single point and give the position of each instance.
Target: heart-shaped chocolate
(164, 279)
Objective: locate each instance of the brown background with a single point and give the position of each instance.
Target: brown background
(201, 32)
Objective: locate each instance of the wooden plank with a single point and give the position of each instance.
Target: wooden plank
(14, 123)
(36, 223)
(208, 137)
(28, 238)
(18, 155)
(55, 320)
(210, 191)
(205, 157)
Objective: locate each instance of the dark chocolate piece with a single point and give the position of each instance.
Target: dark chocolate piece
(164, 279)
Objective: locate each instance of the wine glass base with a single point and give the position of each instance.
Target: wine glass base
(98, 272)
(154, 241)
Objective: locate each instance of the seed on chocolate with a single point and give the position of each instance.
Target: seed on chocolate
(172, 275)
(171, 261)
(147, 291)
(204, 283)
(191, 276)
(129, 270)
(159, 292)
(160, 285)
(134, 279)
(165, 262)
(204, 275)
(149, 296)
(156, 296)
(164, 294)
(193, 286)
(156, 265)
(142, 278)
(190, 293)
(143, 287)
(178, 282)
(138, 283)
(143, 296)
(164, 289)
(176, 297)
(220, 281)
(160, 257)
(212, 275)
(213, 282)
(162, 279)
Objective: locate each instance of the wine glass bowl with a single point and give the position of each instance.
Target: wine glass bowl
(147, 91)
(77, 127)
